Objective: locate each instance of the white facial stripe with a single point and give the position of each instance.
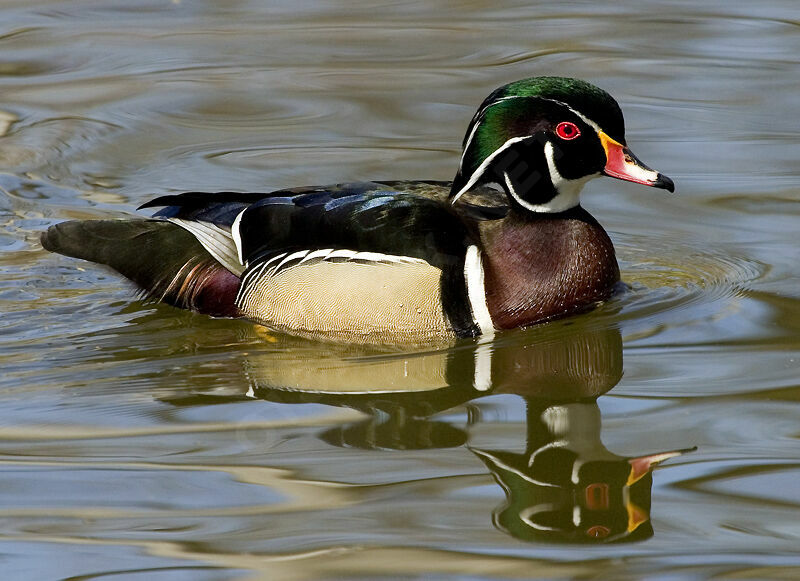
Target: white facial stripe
(477, 120)
(576, 515)
(567, 198)
(508, 468)
(520, 201)
(583, 117)
(482, 168)
(500, 100)
(514, 194)
(480, 113)
(555, 176)
(476, 291)
(467, 143)
(568, 195)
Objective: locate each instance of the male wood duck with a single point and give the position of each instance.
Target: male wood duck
(399, 261)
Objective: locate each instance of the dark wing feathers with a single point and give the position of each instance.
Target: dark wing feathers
(164, 260)
(377, 220)
(219, 208)
(201, 199)
(397, 218)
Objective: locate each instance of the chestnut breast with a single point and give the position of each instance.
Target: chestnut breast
(544, 266)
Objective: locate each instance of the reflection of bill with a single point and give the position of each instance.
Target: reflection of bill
(564, 487)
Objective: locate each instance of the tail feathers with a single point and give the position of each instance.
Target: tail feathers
(162, 259)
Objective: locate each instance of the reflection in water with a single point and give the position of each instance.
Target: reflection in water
(564, 487)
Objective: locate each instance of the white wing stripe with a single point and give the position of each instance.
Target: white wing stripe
(236, 234)
(342, 254)
(379, 257)
(292, 256)
(317, 254)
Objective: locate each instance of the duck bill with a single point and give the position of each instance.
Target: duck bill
(623, 165)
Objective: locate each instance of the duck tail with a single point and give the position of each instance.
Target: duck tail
(165, 261)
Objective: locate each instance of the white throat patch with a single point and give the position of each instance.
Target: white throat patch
(567, 191)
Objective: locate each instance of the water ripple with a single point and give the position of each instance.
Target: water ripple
(683, 280)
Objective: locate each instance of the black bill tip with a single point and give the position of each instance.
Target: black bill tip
(664, 182)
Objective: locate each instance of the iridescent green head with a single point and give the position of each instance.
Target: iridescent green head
(541, 139)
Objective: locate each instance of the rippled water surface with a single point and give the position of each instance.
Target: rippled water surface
(657, 437)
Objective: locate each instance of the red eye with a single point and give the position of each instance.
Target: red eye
(567, 130)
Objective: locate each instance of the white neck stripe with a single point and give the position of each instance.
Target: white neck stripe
(476, 291)
(516, 196)
(560, 202)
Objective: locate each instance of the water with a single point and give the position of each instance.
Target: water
(138, 441)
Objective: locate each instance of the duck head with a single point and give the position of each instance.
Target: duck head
(541, 139)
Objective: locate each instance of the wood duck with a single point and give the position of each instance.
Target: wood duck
(399, 261)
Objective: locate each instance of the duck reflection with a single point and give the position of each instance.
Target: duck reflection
(566, 486)
(561, 485)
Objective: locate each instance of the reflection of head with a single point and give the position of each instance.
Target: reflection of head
(567, 487)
